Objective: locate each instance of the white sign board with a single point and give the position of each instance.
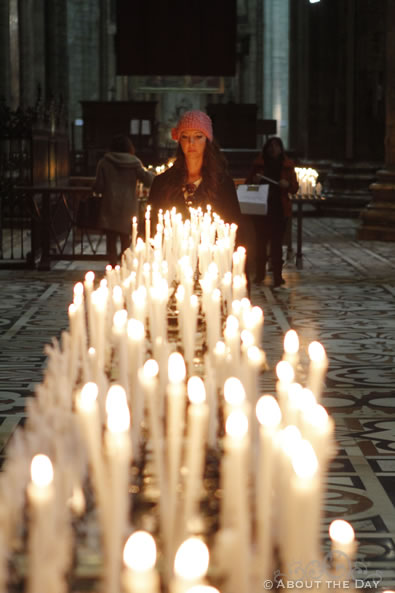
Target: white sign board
(253, 198)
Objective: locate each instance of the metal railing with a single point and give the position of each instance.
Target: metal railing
(39, 225)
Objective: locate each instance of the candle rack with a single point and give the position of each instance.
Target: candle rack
(258, 487)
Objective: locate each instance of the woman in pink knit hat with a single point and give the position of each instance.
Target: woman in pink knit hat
(199, 175)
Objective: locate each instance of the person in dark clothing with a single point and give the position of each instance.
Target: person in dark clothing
(116, 180)
(199, 175)
(275, 168)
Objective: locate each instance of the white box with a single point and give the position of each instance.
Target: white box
(253, 198)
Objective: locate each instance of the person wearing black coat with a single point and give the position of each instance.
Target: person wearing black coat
(199, 175)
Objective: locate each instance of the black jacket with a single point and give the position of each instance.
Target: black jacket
(225, 204)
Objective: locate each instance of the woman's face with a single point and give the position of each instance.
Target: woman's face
(274, 150)
(193, 143)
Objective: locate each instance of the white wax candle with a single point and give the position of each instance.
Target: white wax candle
(121, 348)
(119, 455)
(269, 416)
(175, 428)
(134, 232)
(291, 348)
(343, 549)
(136, 355)
(236, 449)
(317, 368)
(190, 565)
(89, 418)
(148, 376)
(40, 492)
(140, 575)
(147, 229)
(232, 340)
(196, 447)
(88, 289)
(302, 544)
(212, 398)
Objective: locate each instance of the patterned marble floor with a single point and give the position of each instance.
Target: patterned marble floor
(344, 297)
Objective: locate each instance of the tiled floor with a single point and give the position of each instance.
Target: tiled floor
(344, 297)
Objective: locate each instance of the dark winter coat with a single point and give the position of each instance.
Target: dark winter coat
(225, 204)
(116, 179)
(287, 173)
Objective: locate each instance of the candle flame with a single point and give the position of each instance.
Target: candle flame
(150, 368)
(135, 330)
(247, 338)
(139, 553)
(120, 318)
(268, 411)
(78, 289)
(41, 471)
(192, 559)
(196, 390)
(340, 531)
(317, 352)
(285, 372)
(118, 415)
(234, 392)
(237, 424)
(89, 277)
(304, 460)
(291, 342)
(87, 397)
(232, 324)
(317, 416)
(289, 438)
(176, 368)
(117, 294)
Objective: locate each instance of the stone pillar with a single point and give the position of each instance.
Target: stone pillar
(56, 49)
(378, 218)
(4, 51)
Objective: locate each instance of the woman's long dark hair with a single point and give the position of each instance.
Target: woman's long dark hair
(214, 168)
(269, 142)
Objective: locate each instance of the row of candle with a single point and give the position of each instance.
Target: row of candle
(116, 370)
(307, 180)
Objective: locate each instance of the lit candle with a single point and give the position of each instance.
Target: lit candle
(175, 430)
(88, 289)
(304, 520)
(343, 548)
(196, 446)
(139, 556)
(148, 376)
(88, 415)
(291, 348)
(236, 449)
(317, 368)
(147, 230)
(134, 232)
(121, 347)
(286, 375)
(136, 355)
(119, 456)
(190, 565)
(40, 492)
(269, 415)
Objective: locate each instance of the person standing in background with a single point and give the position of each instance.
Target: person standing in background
(275, 168)
(117, 174)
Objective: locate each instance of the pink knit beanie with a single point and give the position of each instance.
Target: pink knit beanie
(193, 120)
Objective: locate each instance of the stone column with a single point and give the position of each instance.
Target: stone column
(378, 218)
(4, 51)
